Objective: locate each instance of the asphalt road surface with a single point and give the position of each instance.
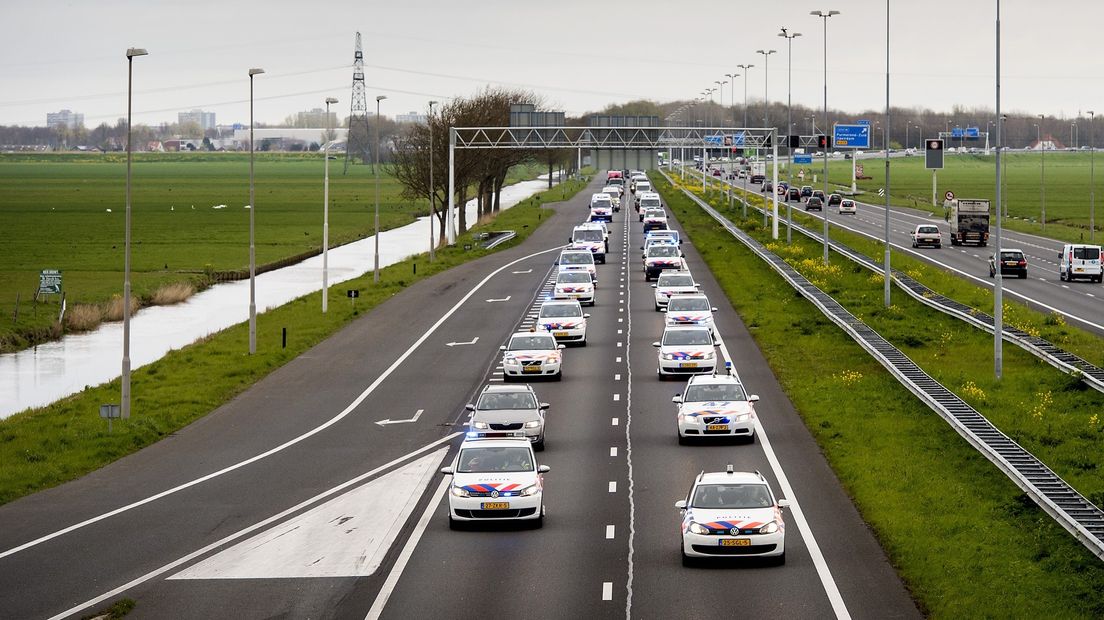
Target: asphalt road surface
(316, 493)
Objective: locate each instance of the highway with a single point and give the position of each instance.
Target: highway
(315, 493)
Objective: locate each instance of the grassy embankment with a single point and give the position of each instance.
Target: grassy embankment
(54, 213)
(966, 541)
(48, 446)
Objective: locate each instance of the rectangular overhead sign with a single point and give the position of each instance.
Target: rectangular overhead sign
(972, 132)
(851, 136)
(957, 132)
(725, 140)
(803, 159)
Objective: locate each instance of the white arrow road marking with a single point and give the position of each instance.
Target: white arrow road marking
(453, 344)
(417, 415)
(506, 298)
(526, 271)
(347, 536)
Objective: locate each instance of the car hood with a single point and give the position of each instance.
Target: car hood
(502, 484)
(526, 355)
(506, 416)
(683, 316)
(574, 287)
(688, 352)
(675, 290)
(583, 267)
(722, 408)
(724, 520)
(593, 246)
(566, 322)
(663, 260)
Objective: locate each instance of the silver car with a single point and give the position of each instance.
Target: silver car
(504, 411)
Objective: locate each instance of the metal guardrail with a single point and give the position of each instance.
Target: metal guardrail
(499, 237)
(1039, 347)
(1057, 498)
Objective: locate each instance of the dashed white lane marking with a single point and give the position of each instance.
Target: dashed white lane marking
(616, 377)
(617, 359)
(614, 422)
(621, 309)
(616, 397)
(619, 343)
(612, 486)
(607, 590)
(613, 451)
(609, 532)
(620, 320)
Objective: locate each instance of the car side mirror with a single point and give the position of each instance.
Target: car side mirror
(560, 346)
(681, 504)
(655, 286)
(586, 316)
(642, 247)
(783, 503)
(469, 407)
(502, 348)
(448, 471)
(754, 398)
(697, 286)
(677, 398)
(655, 344)
(663, 309)
(713, 309)
(544, 406)
(543, 469)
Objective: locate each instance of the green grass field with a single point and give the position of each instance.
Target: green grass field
(53, 211)
(974, 176)
(966, 541)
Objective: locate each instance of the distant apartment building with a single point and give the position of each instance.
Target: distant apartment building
(412, 117)
(64, 118)
(315, 118)
(205, 120)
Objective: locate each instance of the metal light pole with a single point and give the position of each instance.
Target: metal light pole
(885, 143)
(789, 110)
(732, 94)
(745, 68)
(326, 212)
(379, 98)
(1042, 169)
(998, 290)
(432, 189)
(124, 407)
(1092, 178)
(824, 15)
(766, 98)
(252, 244)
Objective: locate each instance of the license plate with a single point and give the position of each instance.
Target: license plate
(1010, 263)
(560, 334)
(688, 365)
(530, 369)
(716, 427)
(735, 542)
(496, 505)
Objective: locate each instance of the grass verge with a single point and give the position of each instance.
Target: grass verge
(965, 540)
(44, 447)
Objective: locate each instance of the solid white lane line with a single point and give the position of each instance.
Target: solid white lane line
(256, 526)
(607, 590)
(291, 442)
(612, 486)
(629, 463)
(404, 556)
(610, 533)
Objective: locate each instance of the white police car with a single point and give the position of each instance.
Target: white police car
(715, 406)
(693, 309)
(686, 351)
(732, 514)
(661, 257)
(530, 355)
(578, 260)
(575, 285)
(495, 480)
(671, 283)
(564, 320)
(601, 208)
(590, 238)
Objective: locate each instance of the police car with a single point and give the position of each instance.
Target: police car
(648, 200)
(564, 320)
(575, 285)
(530, 355)
(578, 260)
(660, 257)
(671, 283)
(495, 480)
(685, 351)
(506, 411)
(732, 514)
(601, 208)
(590, 238)
(614, 193)
(651, 240)
(691, 309)
(715, 406)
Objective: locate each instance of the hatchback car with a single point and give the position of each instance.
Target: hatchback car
(1012, 262)
(814, 203)
(654, 219)
(818, 194)
(671, 284)
(508, 411)
(926, 234)
(565, 320)
(575, 285)
(685, 351)
(793, 195)
(661, 257)
(693, 309)
(806, 191)
(495, 479)
(847, 206)
(715, 406)
(834, 200)
(732, 513)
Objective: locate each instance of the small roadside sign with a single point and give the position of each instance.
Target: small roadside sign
(803, 159)
(49, 282)
(949, 195)
(352, 293)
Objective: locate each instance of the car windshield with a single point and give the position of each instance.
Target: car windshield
(601, 203)
(1086, 253)
(732, 496)
(498, 401)
(848, 203)
(588, 235)
(616, 181)
(612, 193)
(573, 277)
(714, 392)
(687, 336)
(576, 258)
(532, 343)
(558, 310)
(643, 185)
(697, 304)
(666, 280)
(662, 250)
(814, 200)
(486, 459)
(927, 229)
(649, 202)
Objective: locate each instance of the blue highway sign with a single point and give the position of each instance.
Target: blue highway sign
(803, 159)
(851, 136)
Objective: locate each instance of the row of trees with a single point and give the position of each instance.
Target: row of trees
(482, 171)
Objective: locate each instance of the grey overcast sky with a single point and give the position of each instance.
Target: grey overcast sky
(580, 55)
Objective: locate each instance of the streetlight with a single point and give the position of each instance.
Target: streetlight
(1042, 169)
(732, 94)
(745, 68)
(824, 15)
(252, 244)
(766, 99)
(124, 408)
(326, 211)
(432, 189)
(379, 98)
(789, 110)
(1092, 178)
(720, 86)
(885, 143)
(998, 281)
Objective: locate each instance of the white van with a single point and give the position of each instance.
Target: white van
(1078, 260)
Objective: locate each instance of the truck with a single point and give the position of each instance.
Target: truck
(969, 220)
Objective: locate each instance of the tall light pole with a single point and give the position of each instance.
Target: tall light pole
(432, 189)
(789, 36)
(720, 98)
(766, 97)
(1042, 169)
(732, 94)
(252, 211)
(745, 68)
(1092, 178)
(326, 211)
(885, 143)
(124, 400)
(379, 98)
(824, 15)
(998, 281)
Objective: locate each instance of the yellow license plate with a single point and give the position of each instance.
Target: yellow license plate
(688, 365)
(560, 334)
(735, 542)
(716, 427)
(531, 369)
(496, 505)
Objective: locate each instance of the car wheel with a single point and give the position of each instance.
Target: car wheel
(687, 561)
(1023, 276)
(539, 445)
(992, 273)
(582, 343)
(538, 523)
(454, 524)
(558, 376)
(751, 439)
(506, 378)
(938, 245)
(683, 440)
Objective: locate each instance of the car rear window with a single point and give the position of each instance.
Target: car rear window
(1012, 255)
(1086, 253)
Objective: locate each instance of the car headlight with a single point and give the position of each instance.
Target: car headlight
(667, 356)
(769, 528)
(479, 425)
(743, 417)
(529, 491)
(697, 528)
(460, 491)
(533, 424)
(710, 355)
(509, 359)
